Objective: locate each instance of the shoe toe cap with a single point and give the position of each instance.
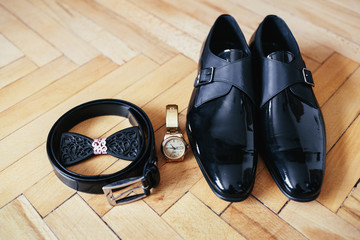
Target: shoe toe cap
(299, 174)
(230, 176)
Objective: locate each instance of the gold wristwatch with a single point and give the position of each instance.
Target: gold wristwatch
(174, 145)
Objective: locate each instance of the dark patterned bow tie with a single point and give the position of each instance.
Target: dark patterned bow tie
(75, 147)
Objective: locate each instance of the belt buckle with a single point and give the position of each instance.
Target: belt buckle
(127, 196)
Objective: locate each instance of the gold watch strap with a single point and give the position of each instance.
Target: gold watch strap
(172, 119)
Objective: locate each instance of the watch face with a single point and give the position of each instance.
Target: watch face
(174, 148)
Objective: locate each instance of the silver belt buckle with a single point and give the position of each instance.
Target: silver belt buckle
(127, 196)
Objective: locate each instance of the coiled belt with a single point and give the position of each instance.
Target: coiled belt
(61, 149)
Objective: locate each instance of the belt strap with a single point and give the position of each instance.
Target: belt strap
(277, 76)
(238, 74)
(142, 168)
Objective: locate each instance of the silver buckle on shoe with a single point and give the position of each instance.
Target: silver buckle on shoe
(308, 77)
(208, 78)
(127, 196)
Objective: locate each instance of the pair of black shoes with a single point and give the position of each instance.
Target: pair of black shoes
(256, 98)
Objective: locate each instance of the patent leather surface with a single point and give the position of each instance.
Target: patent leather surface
(291, 128)
(220, 119)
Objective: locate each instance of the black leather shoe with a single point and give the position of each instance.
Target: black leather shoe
(220, 118)
(290, 124)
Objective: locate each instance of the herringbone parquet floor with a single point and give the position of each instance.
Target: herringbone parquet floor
(56, 54)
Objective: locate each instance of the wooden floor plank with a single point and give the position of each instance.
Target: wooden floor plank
(129, 222)
(341, 109)
(48, 194)
(29, 42)
(27, 110)
(253, 220)
(23, 174)
(76, 220)
(178, 19)
(198, 222)
(25, 87)
(317, 222)
(73, 47)
(162, 30)
(16, 70)
(331, 75)
(350, 210)
(122, 29)
(266, 190)
(342, 168)
(173, 184)
(344, 23)
(204, 193)
(158, 81)
(99, 38)
(9, 52)
(19, 220)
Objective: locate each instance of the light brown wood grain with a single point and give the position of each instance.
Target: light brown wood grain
(254, 220)
(24, 87)
(175, 179)
(122, 29)
(204, 193)
(72, 46)
(266, 190)
(21, 113)
(105, 42)
(75, 219)
(158, 81)
(9, 52)
(344, 23)
(350, 210)
(15, 70)
(342, 168)
(331, 75)
(29, 42)
(198, 221)
(341, 109)
(152, 25)
(317, 222)
(138, 221)
(23, 174)
(171, 15)
(312, 65)
(48, 194)
(19, 220)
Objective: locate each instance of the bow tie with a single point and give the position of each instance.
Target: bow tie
(124, 144)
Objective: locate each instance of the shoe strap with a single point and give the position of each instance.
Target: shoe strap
(276, 76)
(238, 74)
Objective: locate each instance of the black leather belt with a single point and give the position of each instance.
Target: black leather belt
(62, 147)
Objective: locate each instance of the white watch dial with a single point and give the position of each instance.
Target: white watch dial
(174, 148)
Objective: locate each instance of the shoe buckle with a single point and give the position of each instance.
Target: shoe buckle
(126, 196)
(205, 76)
(308, 77)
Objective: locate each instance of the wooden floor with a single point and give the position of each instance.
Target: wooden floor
(56, 54)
